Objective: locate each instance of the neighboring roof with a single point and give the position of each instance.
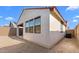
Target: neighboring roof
(13, 24)
(51, 8)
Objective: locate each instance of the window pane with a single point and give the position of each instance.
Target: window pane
(31, 23)
(30, 29)
(37, 21)
(27, 29)
(27, 24)
(37, 29)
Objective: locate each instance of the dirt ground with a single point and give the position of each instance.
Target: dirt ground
(15, 45)
(66, 46)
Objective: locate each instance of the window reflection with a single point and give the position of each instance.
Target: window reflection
(33, 25)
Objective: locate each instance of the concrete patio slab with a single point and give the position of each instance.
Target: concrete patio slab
(16, 45)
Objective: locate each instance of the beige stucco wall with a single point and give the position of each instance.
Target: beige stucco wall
(4, 31)
(7, 31)
(46, 38)
(54, 24)
(64, 28)
(42, 38)
(77, 32)
(55, 31)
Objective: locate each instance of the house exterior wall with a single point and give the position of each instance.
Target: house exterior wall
(55, 25)
(77, 32)
(4, 31)
(39, 38)
(64, 28)
(55, 31)
(7, 31)
(50, 27)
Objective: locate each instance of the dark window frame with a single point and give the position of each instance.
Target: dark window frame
(28, 28)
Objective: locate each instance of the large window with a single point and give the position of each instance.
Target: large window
(27, 26)
(33, 25)
(37, 27)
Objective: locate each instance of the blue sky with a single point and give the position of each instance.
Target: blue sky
(70, 14)
(12, 13)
